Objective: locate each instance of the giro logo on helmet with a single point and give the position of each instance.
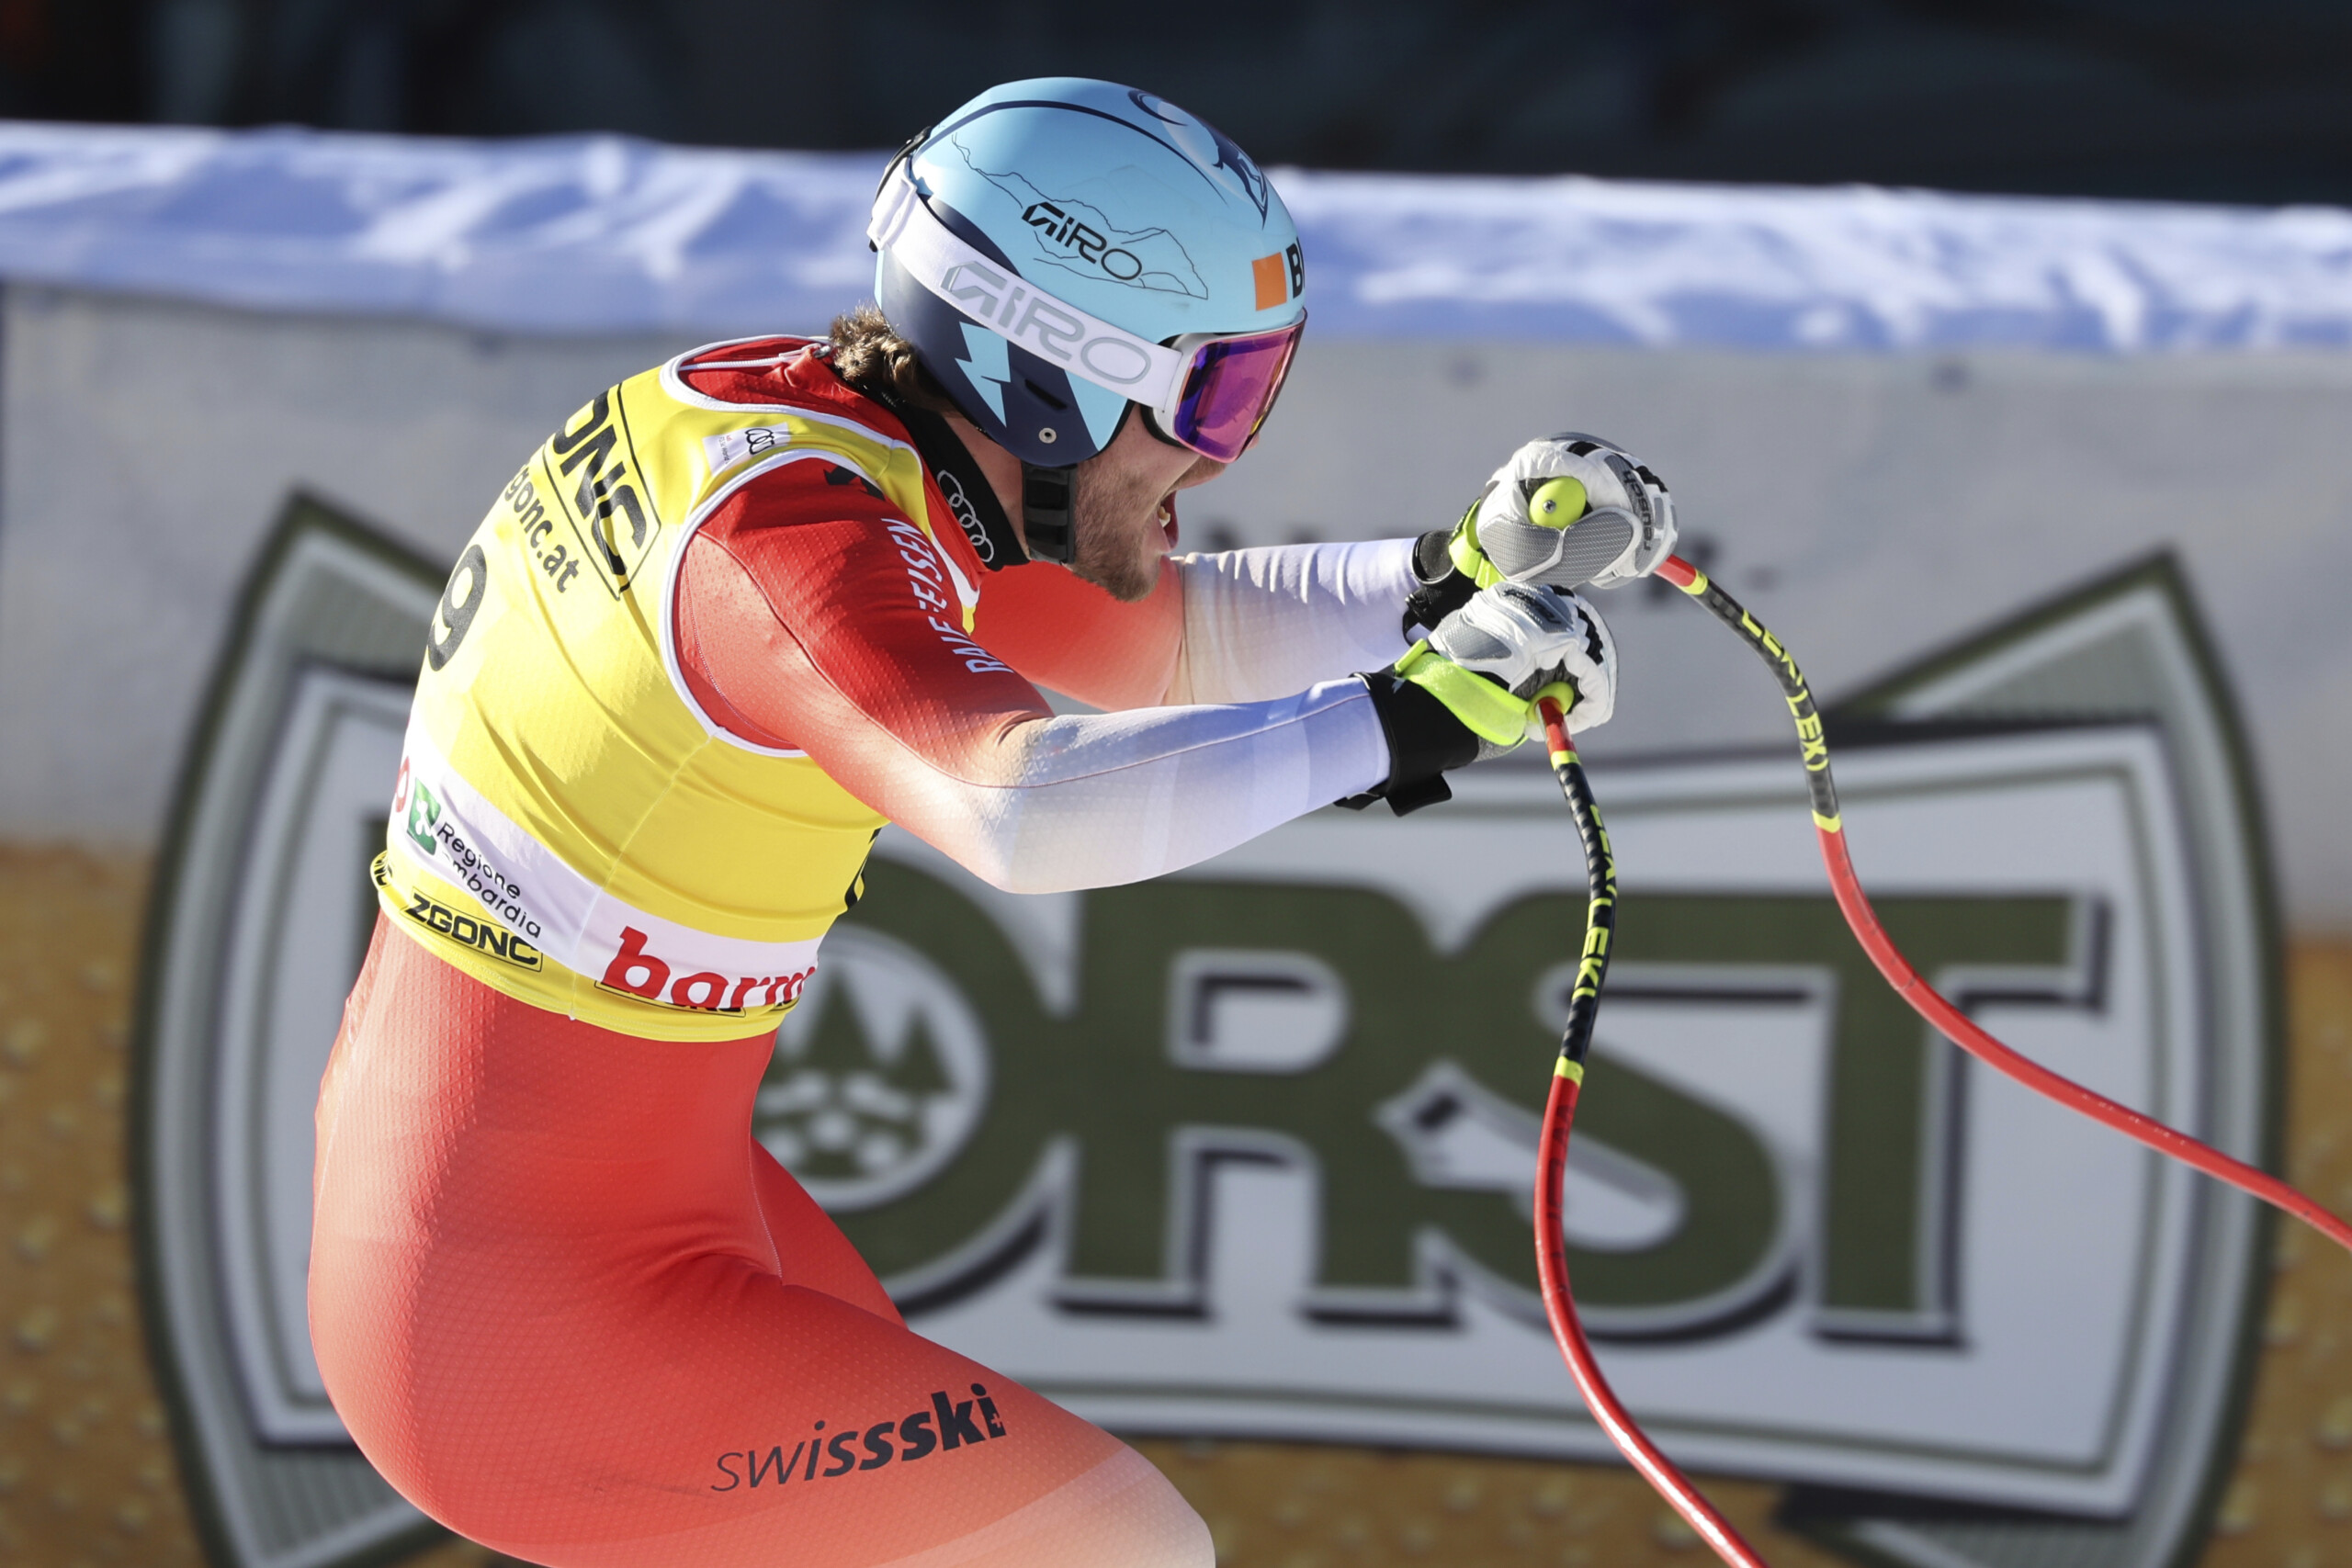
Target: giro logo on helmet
(1041, 326)
(1082, 238)
(1061, 229)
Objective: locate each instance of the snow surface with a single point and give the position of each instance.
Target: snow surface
(605, 235)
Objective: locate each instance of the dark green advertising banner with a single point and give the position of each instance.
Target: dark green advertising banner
(1249, 1151)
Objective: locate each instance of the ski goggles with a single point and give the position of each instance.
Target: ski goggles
(1208, 391)
(1229, 386)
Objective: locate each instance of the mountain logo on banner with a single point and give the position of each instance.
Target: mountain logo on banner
(1248, 1151)
(880, 1075)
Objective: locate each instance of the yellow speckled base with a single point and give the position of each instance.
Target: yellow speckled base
(1276, 1506)
(86, 1475)
(2289, 1504)
(85, 1471)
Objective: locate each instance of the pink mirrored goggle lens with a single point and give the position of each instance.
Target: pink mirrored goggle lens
(1230, 388)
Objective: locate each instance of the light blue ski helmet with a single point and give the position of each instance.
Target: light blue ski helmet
(1055, 248)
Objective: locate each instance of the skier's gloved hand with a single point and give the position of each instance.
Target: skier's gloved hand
(1567, 511)
(1522, 643)
(1470, 690)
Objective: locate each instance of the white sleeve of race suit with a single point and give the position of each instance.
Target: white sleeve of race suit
(1261, 621)
(1099, 799)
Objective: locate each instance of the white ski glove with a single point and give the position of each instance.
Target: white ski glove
(1565, 512)
(1469, 690)
(1523, 643)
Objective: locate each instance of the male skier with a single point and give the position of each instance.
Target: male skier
(740, 611)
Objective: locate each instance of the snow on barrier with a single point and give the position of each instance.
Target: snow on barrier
(607, 235)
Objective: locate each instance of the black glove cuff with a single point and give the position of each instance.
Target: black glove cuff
(1433, 557)
(1425, 740)
(1443, 589)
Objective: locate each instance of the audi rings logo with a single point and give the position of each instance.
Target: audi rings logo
(967, 516)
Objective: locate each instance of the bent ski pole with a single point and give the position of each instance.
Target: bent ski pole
(1552, 1161)
(1956, 1025)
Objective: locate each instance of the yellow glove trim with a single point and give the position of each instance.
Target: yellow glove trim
(1467, 558)
(1561, 692)
(1463, 552)
(1556, 504)
(1489, 710)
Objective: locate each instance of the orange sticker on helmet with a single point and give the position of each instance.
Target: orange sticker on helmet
(1272, 278)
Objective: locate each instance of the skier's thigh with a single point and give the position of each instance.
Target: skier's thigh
(736, 1420)
(809, 1247)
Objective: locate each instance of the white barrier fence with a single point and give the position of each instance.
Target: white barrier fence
(1870, 507)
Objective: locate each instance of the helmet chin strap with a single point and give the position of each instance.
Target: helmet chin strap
(1046, 524)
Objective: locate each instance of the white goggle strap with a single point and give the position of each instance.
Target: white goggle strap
(1085, 346)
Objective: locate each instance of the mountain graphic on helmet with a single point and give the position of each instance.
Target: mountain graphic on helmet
(1057, 248)
(1075, 234)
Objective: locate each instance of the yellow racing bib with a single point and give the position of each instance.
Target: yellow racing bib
(569, 827)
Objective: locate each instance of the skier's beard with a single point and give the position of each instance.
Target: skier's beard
(1120, 519)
